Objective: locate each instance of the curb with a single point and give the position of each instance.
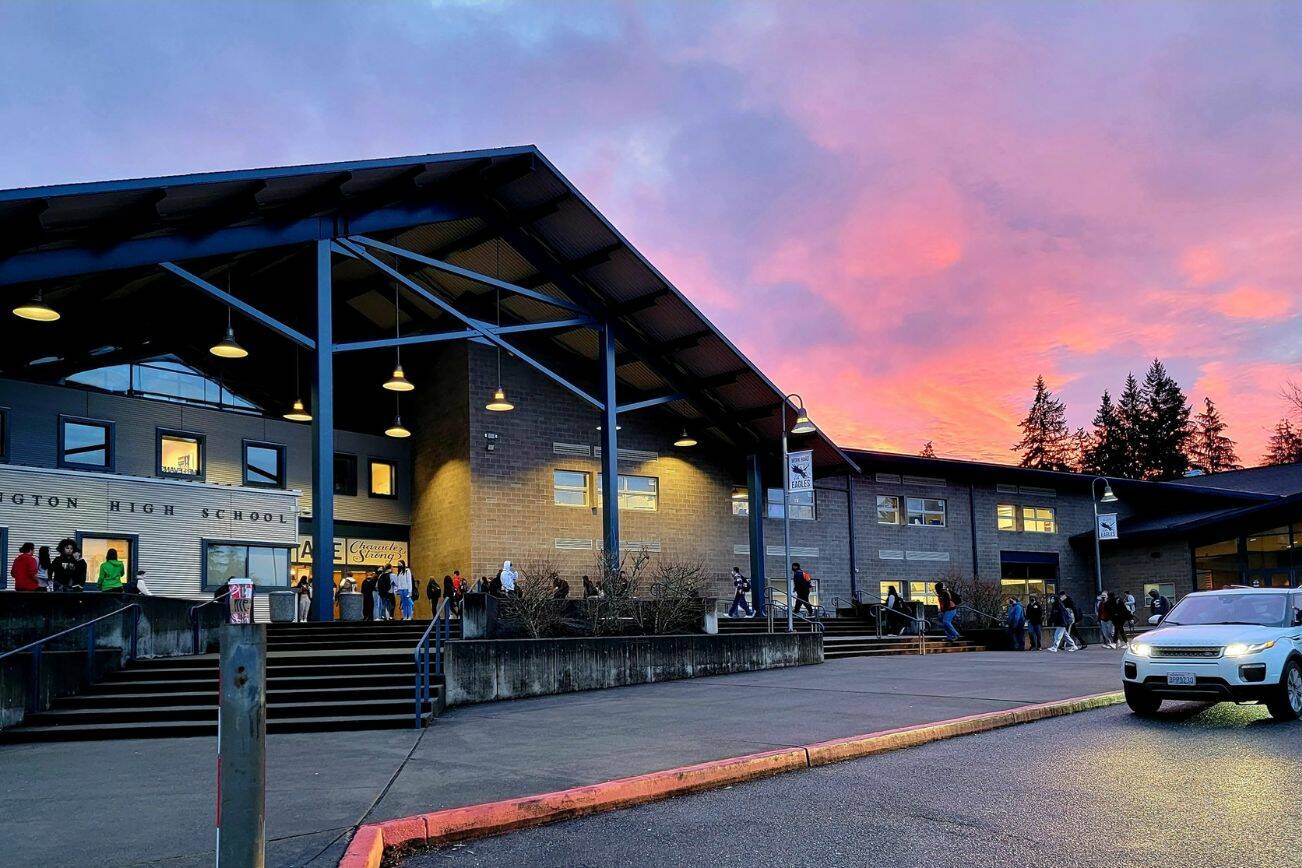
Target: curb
(373, 841)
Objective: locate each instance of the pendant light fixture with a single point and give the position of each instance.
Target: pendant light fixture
(398, 382)
(228, 347)
(685, 440)
(499, 403)
(397, 430)
(36, 310)
(297, 411)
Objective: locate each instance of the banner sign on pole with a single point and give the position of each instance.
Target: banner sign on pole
(800, 471)
(1107, 525)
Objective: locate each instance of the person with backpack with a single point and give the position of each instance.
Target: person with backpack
(1120, 617)
(1077, 621)
(947, 601)
(1034, 621)
(433, 592)
(1061, 620)
(892, 608)
(384, 595)
(740, 588)
(368, 597)
(803, 583)
(1016, 620)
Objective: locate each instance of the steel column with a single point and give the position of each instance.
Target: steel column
(854, 559)
(323, 444)
(242, 746)
(755, 497)
(609, 450)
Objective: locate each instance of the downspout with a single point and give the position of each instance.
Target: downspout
(971, 512)
(854, 561)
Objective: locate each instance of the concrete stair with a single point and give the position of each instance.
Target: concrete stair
(320, 677)
(848, 636)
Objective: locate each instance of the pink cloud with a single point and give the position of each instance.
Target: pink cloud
(1254, 302)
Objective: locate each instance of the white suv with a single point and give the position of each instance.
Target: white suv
(1231, 645)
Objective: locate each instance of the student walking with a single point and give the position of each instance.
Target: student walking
(1034, 621)
(402, 583)
(947, 601)
(450, 594)
(1016, 620)
(1103, 611)
(509, 577)
(1076, 623)
(1061, 620)
(892, 611)
(740, 588)
(111, 573)
(1120, 617)
(25, 568)
(433, 592)
(304, 591)
(804, 583)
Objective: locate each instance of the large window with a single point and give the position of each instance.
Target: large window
(85, 443)
(570, 488)
(636, 493)
(1006, 516)
(96, 549)
(1038, 519)
(926, 511)
(164, 379)
(1217, 565)
(180, 454)
(264, 464)
(384, 478)
(802, 504)
(888, 509)
(345, 474)
(268, 566)
(924, 591)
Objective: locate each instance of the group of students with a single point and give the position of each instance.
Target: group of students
(36, 571)
(1114, 612)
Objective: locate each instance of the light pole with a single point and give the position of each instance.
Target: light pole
(802, 426)
(1108, 497)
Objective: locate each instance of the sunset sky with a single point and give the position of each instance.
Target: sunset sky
(903, 211)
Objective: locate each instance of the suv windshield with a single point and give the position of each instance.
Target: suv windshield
(1266, 610)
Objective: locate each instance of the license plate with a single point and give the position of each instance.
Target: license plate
(1182, 679)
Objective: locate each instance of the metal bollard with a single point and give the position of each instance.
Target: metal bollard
(242, 746)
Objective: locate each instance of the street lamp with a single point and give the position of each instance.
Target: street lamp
(1108, 497)
(802, 426)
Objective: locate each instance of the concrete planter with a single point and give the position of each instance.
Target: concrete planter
(350, 606)
(281, 606)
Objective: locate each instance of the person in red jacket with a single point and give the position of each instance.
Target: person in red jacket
(24, 569)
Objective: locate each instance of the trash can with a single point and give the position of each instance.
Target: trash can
(283, 606)
(350, 606)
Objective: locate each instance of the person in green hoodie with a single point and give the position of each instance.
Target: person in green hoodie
(111, 573)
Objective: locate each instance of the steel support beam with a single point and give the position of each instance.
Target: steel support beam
(609, 451)
(242, 306)
(755, 524)
(323, 443)
(650, 402)
(463, 334)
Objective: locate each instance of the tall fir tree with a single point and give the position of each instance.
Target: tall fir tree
(1210, 448)
(1046, 442)
(1164, 427)
(1129, 447)
(1106, 451)
(928, 451)
(1082, 443)
(1285, 444)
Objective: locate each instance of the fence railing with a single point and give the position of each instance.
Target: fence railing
(429, 662)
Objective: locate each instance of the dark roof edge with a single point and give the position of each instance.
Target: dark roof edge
(1203, 523)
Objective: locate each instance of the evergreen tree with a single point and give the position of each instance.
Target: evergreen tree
(1106, 451)
(1285, 444)
(1210, 449)
(1164, 427)
(1082, 444)
(1129, 448)
(928, 451)
(1046, 442)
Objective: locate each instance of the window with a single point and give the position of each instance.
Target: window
(1038, 519)
(163, 379)
(570, 488)
(264, 465)
(636, 493)
(345, 474)
(1166, 589)
(740, 502)
(268, 566)
(95, 549)
(888, 509)
(1006, 516)
(180, 454)
(384, 478)
(802, 504)
(85, 443)
(924, 591)
(926, 511)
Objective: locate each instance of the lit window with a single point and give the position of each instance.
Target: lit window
(637, 493)
(570, 488)
(1038, 519)
(264, 465)
(384, 478)
(345, 474)
(925, 511)
(740, 502)
(924, 592)
(802, 504)
(84, 443)
(888, 509)
(268, 566)
(1006, 516)
(180, 454)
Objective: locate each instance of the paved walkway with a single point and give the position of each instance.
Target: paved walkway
(151, 801)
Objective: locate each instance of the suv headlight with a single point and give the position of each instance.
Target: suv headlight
(1243, 649)
(1139, 649)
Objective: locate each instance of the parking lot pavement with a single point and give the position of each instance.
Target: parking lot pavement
(1198, 786)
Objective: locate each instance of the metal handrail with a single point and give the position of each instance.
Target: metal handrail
(194, 618)
(922, 623)
(999, 621)
(38, 649)
(421, 655)
(815, 623)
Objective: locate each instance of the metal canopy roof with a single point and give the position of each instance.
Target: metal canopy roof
(94, 249)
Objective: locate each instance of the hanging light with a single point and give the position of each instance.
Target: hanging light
(1108, 495)
(36, 310)
(499, 403)
(297, 411)
(398, 381)
(803, 425)
(685, 440)
(397, 429)
(228, 347)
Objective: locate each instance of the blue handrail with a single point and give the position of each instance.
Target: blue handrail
(38, 649)
(441, 627)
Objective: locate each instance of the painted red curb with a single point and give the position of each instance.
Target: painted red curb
(372, 841)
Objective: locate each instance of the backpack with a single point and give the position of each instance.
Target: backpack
(385, 584)
(955, 597)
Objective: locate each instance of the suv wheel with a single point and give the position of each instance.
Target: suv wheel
(1142, 702)
(1287, 703)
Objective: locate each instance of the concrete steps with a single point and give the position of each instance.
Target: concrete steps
(848, 636)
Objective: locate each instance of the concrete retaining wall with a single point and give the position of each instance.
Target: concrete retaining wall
(484, 671)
